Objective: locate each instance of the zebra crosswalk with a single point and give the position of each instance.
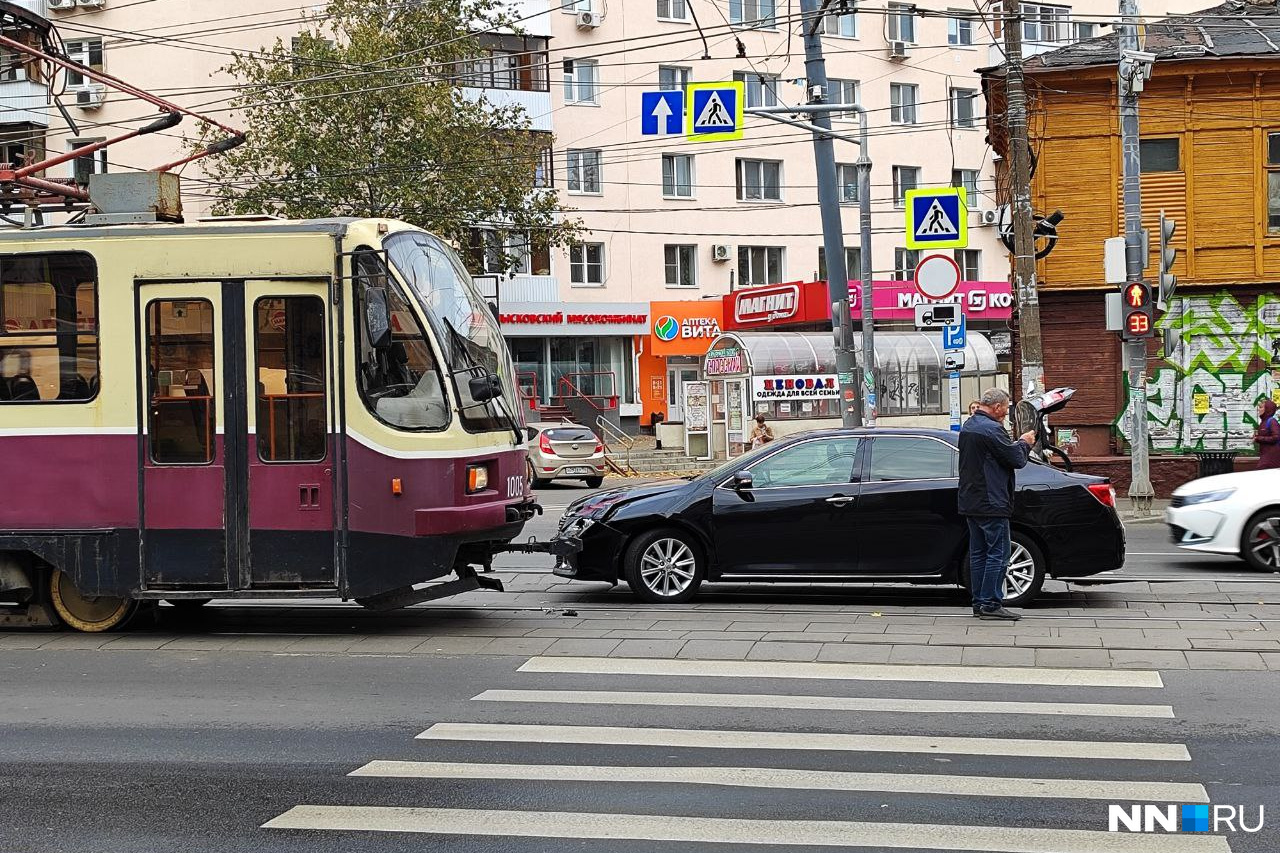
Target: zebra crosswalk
(820, 735)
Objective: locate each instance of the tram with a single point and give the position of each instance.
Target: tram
(248, 408)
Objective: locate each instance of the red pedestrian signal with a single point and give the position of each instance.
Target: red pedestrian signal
(1136, 295)
(1139, 320)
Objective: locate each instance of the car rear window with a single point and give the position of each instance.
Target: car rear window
(570, 435)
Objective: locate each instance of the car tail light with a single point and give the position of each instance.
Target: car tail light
(1104, 492)
(599, 446)
(544, 444)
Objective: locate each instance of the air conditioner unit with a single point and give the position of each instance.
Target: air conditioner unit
(989, 217)
(898, 50)
(587, 20)
(89, 97)
(61, 4)
(92, 4)
(721, 252)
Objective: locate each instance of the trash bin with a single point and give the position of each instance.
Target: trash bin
(1216, 462)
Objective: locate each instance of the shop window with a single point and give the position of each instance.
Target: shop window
(1273, 182)
(811, 463)
(180, 381)
(49, 334)
(1159, 155)
(903, 458)
(398, 378)
(289, 361)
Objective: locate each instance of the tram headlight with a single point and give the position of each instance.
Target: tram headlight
(477, 478)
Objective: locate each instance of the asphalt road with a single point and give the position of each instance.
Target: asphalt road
(1151, 556)
(142, 752)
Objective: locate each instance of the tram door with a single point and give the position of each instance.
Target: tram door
(237, 482)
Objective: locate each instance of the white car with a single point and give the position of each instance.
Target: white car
(1235, 514)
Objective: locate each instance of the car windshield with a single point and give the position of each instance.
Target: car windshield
(462, 319)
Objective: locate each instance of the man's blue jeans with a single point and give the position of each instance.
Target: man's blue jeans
(988, 560)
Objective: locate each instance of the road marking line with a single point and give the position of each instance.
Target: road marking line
(815, 780)
(773, 833)
(848, 671)
(727, 739)
(822, 703)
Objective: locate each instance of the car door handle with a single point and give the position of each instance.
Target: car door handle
(840, 500)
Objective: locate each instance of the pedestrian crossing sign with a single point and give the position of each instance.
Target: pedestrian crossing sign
(715, 111)
(937, 219)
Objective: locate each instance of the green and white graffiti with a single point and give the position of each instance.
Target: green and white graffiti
(1225, 359)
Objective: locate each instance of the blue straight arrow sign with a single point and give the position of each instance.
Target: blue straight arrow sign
(661, 113)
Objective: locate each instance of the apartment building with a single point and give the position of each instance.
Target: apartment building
(668, 221)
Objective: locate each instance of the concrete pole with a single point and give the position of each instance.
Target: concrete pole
(832, 231)
(870, 369)
(1024, 246)
(1140, 491)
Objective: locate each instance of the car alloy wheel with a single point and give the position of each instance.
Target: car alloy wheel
(1021, 574)
(667, 567)
(1261, 545)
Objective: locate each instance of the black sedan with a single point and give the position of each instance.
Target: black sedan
(839, 506)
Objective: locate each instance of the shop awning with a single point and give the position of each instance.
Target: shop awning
(780, 353)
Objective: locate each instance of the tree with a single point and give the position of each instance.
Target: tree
(362, 115)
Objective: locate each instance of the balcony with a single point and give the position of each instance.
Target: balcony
(24, 102)
(537, 105)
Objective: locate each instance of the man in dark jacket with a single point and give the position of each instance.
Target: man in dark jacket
(987, 462)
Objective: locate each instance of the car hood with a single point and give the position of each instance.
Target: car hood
(1265, 479)
(622, 494)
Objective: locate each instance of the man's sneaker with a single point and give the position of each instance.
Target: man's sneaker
(977, 611)
(999, 614)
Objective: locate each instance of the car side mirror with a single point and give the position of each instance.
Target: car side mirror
(743, 481)
(485, 387)
(377, 317)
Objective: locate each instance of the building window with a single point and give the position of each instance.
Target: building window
(673, 10)
(959, 28)
(1273, 182)
(672, 78)
(847, 179)
(543, 170)
(852, 263)
(583, 167)
(759, 265)
(905, 179)
(1083, 31)
(762, 89)
(677, 175)
(845, 26)
(902, 22)
(753, 13)
(962, 108)
(495, 252)
(970, 263)
(86, 52)
(844, 92)
(1043, 24)
(759, 180)
(49, 328)
(586, 263)
(85, 165)
(15, 154)
(902, 102)
(681, 264)
(13, 67)
(967, 179)
(580, 81)
(1159, 155)
(575, 6)
(905, 262)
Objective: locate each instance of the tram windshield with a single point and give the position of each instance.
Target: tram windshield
(467, 329)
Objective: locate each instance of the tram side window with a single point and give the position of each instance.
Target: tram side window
(289, 353)
(180, 419)
(399, 380)
(49, 333)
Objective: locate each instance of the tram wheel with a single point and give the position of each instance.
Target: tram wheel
(88, 613)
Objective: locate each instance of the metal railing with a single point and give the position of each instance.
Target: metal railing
(611, 435)
(570, 386)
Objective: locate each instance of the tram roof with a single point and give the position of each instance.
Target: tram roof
(334, 226)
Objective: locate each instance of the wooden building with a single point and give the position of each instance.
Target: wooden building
(1210, 151)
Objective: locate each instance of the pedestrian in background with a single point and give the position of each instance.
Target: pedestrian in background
(1268, 436)
(761, 433)
(987, 462)
(973, 407)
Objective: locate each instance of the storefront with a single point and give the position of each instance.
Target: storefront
(790, 378)
(588, 346)
(671, 353)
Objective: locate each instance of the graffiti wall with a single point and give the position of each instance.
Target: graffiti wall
(1223, 358)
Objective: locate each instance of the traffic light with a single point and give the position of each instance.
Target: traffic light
(1139, 321)
(1168, 281)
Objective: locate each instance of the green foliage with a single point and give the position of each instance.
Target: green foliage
(361, 115)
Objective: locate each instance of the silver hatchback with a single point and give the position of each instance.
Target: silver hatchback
(560, 451)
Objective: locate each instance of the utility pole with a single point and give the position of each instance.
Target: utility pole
(853, 405)
(1135, 67)
(1024, 243)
